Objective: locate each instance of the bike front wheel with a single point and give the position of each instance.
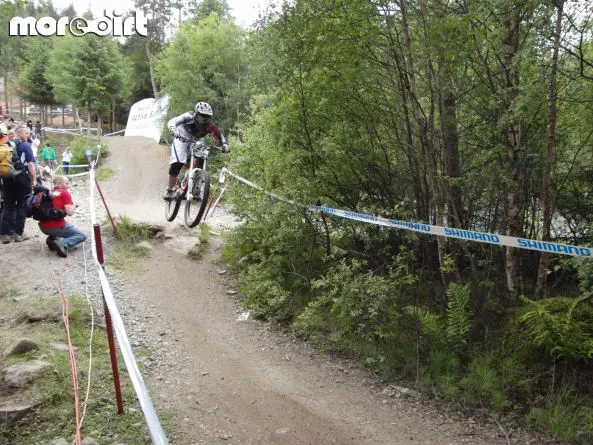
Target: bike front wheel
(195, 207)
(172, 207)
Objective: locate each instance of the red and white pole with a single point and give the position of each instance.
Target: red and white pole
(109, 328)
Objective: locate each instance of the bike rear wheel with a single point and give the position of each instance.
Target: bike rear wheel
(172, 207)
(195, 207)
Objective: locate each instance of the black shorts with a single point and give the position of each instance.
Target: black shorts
(175, 168)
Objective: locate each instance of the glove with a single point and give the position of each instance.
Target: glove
(225, 148)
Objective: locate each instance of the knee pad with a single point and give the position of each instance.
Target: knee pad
(175, 168)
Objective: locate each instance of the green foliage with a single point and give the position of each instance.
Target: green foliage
(88, 71)
(104, 173)
(207, 7)
(360, 313)
(558, 332)
(205, 63)
(196, 253)
(35, 77)
(204, 233)
(454, 328)
(54, 416)
(484, 386)
(130, 231)
(134, 51)
(567, 416)
(264, 295)
(458, 316)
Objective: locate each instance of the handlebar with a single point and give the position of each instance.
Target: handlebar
(196, 141)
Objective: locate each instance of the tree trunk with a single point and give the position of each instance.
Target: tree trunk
(113, 115)
(151, 68)
(448, 112)
(541, 288)
(63, 116)
(512, 135)
(76, 117)
(426, 133)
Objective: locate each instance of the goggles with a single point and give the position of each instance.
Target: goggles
(203, 119)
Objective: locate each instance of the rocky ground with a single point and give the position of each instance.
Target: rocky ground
(219, 375)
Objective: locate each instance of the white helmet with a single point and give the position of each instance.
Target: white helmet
(203, 108)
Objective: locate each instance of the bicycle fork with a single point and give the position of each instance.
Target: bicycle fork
(190, 183)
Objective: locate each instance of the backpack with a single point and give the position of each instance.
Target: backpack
(40, 206)
(10, 162)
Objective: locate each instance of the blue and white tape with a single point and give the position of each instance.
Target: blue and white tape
(447, 232)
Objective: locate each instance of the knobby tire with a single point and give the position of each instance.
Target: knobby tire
(201, 177)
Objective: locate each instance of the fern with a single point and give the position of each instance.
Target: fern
(458, 317)
(455, 327)
(558, 333)
(430, 323)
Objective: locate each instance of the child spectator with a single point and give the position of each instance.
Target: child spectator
(66, 158)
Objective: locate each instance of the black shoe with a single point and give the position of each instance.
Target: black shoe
(50, 241)
(58, 247)
(169, 195)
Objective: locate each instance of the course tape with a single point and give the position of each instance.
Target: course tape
(447, 232)
(155, 428)
(115, 132)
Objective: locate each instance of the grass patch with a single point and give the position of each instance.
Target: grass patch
(196, 253)
(104, 174)
(7, 291)
(125, 257)
(127, 252)
(131, 231)
(204, 233)
(54, 418)
(567, 416)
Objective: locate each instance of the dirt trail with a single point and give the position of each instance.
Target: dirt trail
(240, 382)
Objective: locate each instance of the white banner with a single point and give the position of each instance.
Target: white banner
(146, 118)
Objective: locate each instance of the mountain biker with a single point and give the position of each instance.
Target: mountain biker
(191, 126)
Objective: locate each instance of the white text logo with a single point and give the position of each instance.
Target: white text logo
(108, 25)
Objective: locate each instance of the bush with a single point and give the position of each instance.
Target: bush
(360, 313)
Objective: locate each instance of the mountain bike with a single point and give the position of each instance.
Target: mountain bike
(194, 188)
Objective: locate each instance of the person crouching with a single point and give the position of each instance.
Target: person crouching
(62, 236)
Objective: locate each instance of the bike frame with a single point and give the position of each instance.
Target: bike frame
(195, 164)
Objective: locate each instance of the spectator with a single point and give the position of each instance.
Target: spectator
(4, 140)
(62, 236)
(16, 190)
(38, 129)
(45, 155)
(30, 124)
(66, 159)
(35, 146)
(52, 157)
